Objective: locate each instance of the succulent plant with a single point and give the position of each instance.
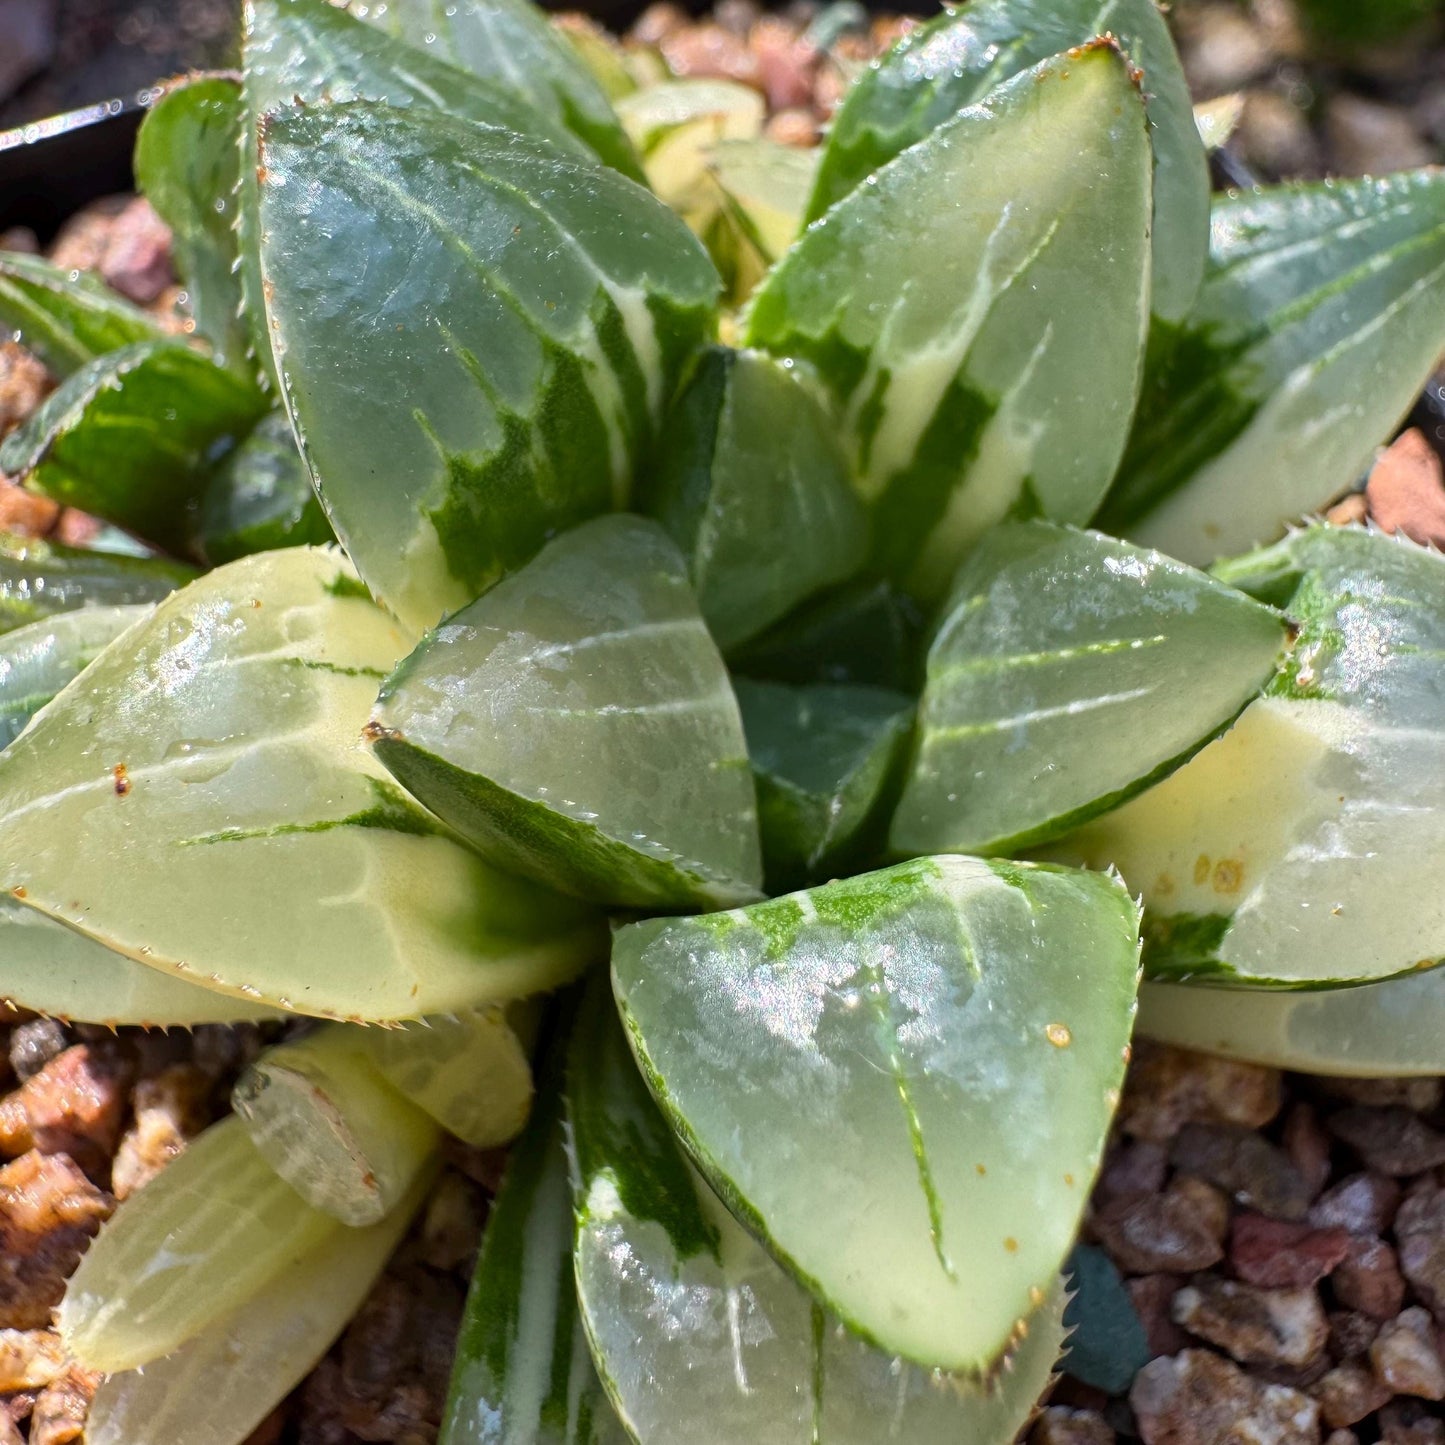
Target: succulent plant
(712, 592)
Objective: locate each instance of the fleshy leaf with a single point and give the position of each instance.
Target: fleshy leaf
(530, 314)
(200, 1239)
(66, 318)
(1322, 313)
(510, 44)
(931, 1056)
(523, 1372)
(767, 183)
(260, 498)
(131, 436)
(672, 1289)
(577, 725)
(826, 760)
(224, 1381)
(188, 164)
(1070, 672)
(53, 970)
(985, 357)
(752, 485)
(867, 634)
(960, 56)
(1302, 847)
(37, 660)
(200, 801)
(40, 579)
(1391, 1028)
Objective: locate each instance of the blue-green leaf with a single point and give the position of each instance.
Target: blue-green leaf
(984, 353)
(959, 56)
(1322, 313)
(495, 371)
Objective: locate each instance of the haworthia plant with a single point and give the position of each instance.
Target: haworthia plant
(576, 724)
(41, 579)
(523, 1369)
(751, 483)
(131, 435)
(187, 162)
(240, 837)
(956, 59)
(975, 389)
(1321, 316)
(225, 1380)
(66, 318)
(672, 1289)
(1299, 848)
(1068, 673)
(510, 44)
(37, 660)
(933, 1049)
(826, 760)
(530, 314)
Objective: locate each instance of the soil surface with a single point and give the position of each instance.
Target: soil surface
(1265, 1254)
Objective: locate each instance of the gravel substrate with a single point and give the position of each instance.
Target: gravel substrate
(1280, 1239)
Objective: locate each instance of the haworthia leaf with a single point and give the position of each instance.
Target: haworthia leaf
(53, 970)
(510, 44)
(224, 1381)
(530, 315)
(867, 633)
(985, 356)
(767, 184)
(40, 579)
(66, 318)
(932, 1054)
(1069, 672)
(826, 760)
(523, 1373)
(209, 1231)
(751, 483)
(325, 1119)
(675, 1294)
(652, 115)
(199, 800)
(1321, 315)
(260, 498)
(957, 58)
(188, 164)
(131, 436)
(577, 725)
(37, 660)
(1391, 1028)
(1300, 848)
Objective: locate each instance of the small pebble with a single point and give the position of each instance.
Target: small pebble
(1408, 1422)
(1395, 1141)
(1178, 1231)
(1419, 1094)
(1200, 1398)
(1369, 1279)
(1351, 1333)
(1285, 1327)
(1348, 1393)
(1168, 1088)
(1284, 1254)
(1420, 1231)
(34, 1044)
(1059, 1426)
(1254, 1172)
(1406, 1356)
(1361, 1203)
(1307, 1143)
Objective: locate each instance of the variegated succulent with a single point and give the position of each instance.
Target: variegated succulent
(574, 528)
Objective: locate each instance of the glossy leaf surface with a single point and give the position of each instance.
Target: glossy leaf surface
(1069, 672)
(529, 313)
(66, 318)
(224, 1381)
(200, 800)
(1321, 316)
(202, 1237)
(40, 579)
(260, 498)
(978, 312)
(1300, 848)
(826, 760)
(932, 1053)
(510, 44)
(958, 57)
(188, 164)
(701, 1336)
(130, 437)
(576, 724)
(752, 485)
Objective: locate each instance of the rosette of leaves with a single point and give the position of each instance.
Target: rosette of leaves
(769, 658)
